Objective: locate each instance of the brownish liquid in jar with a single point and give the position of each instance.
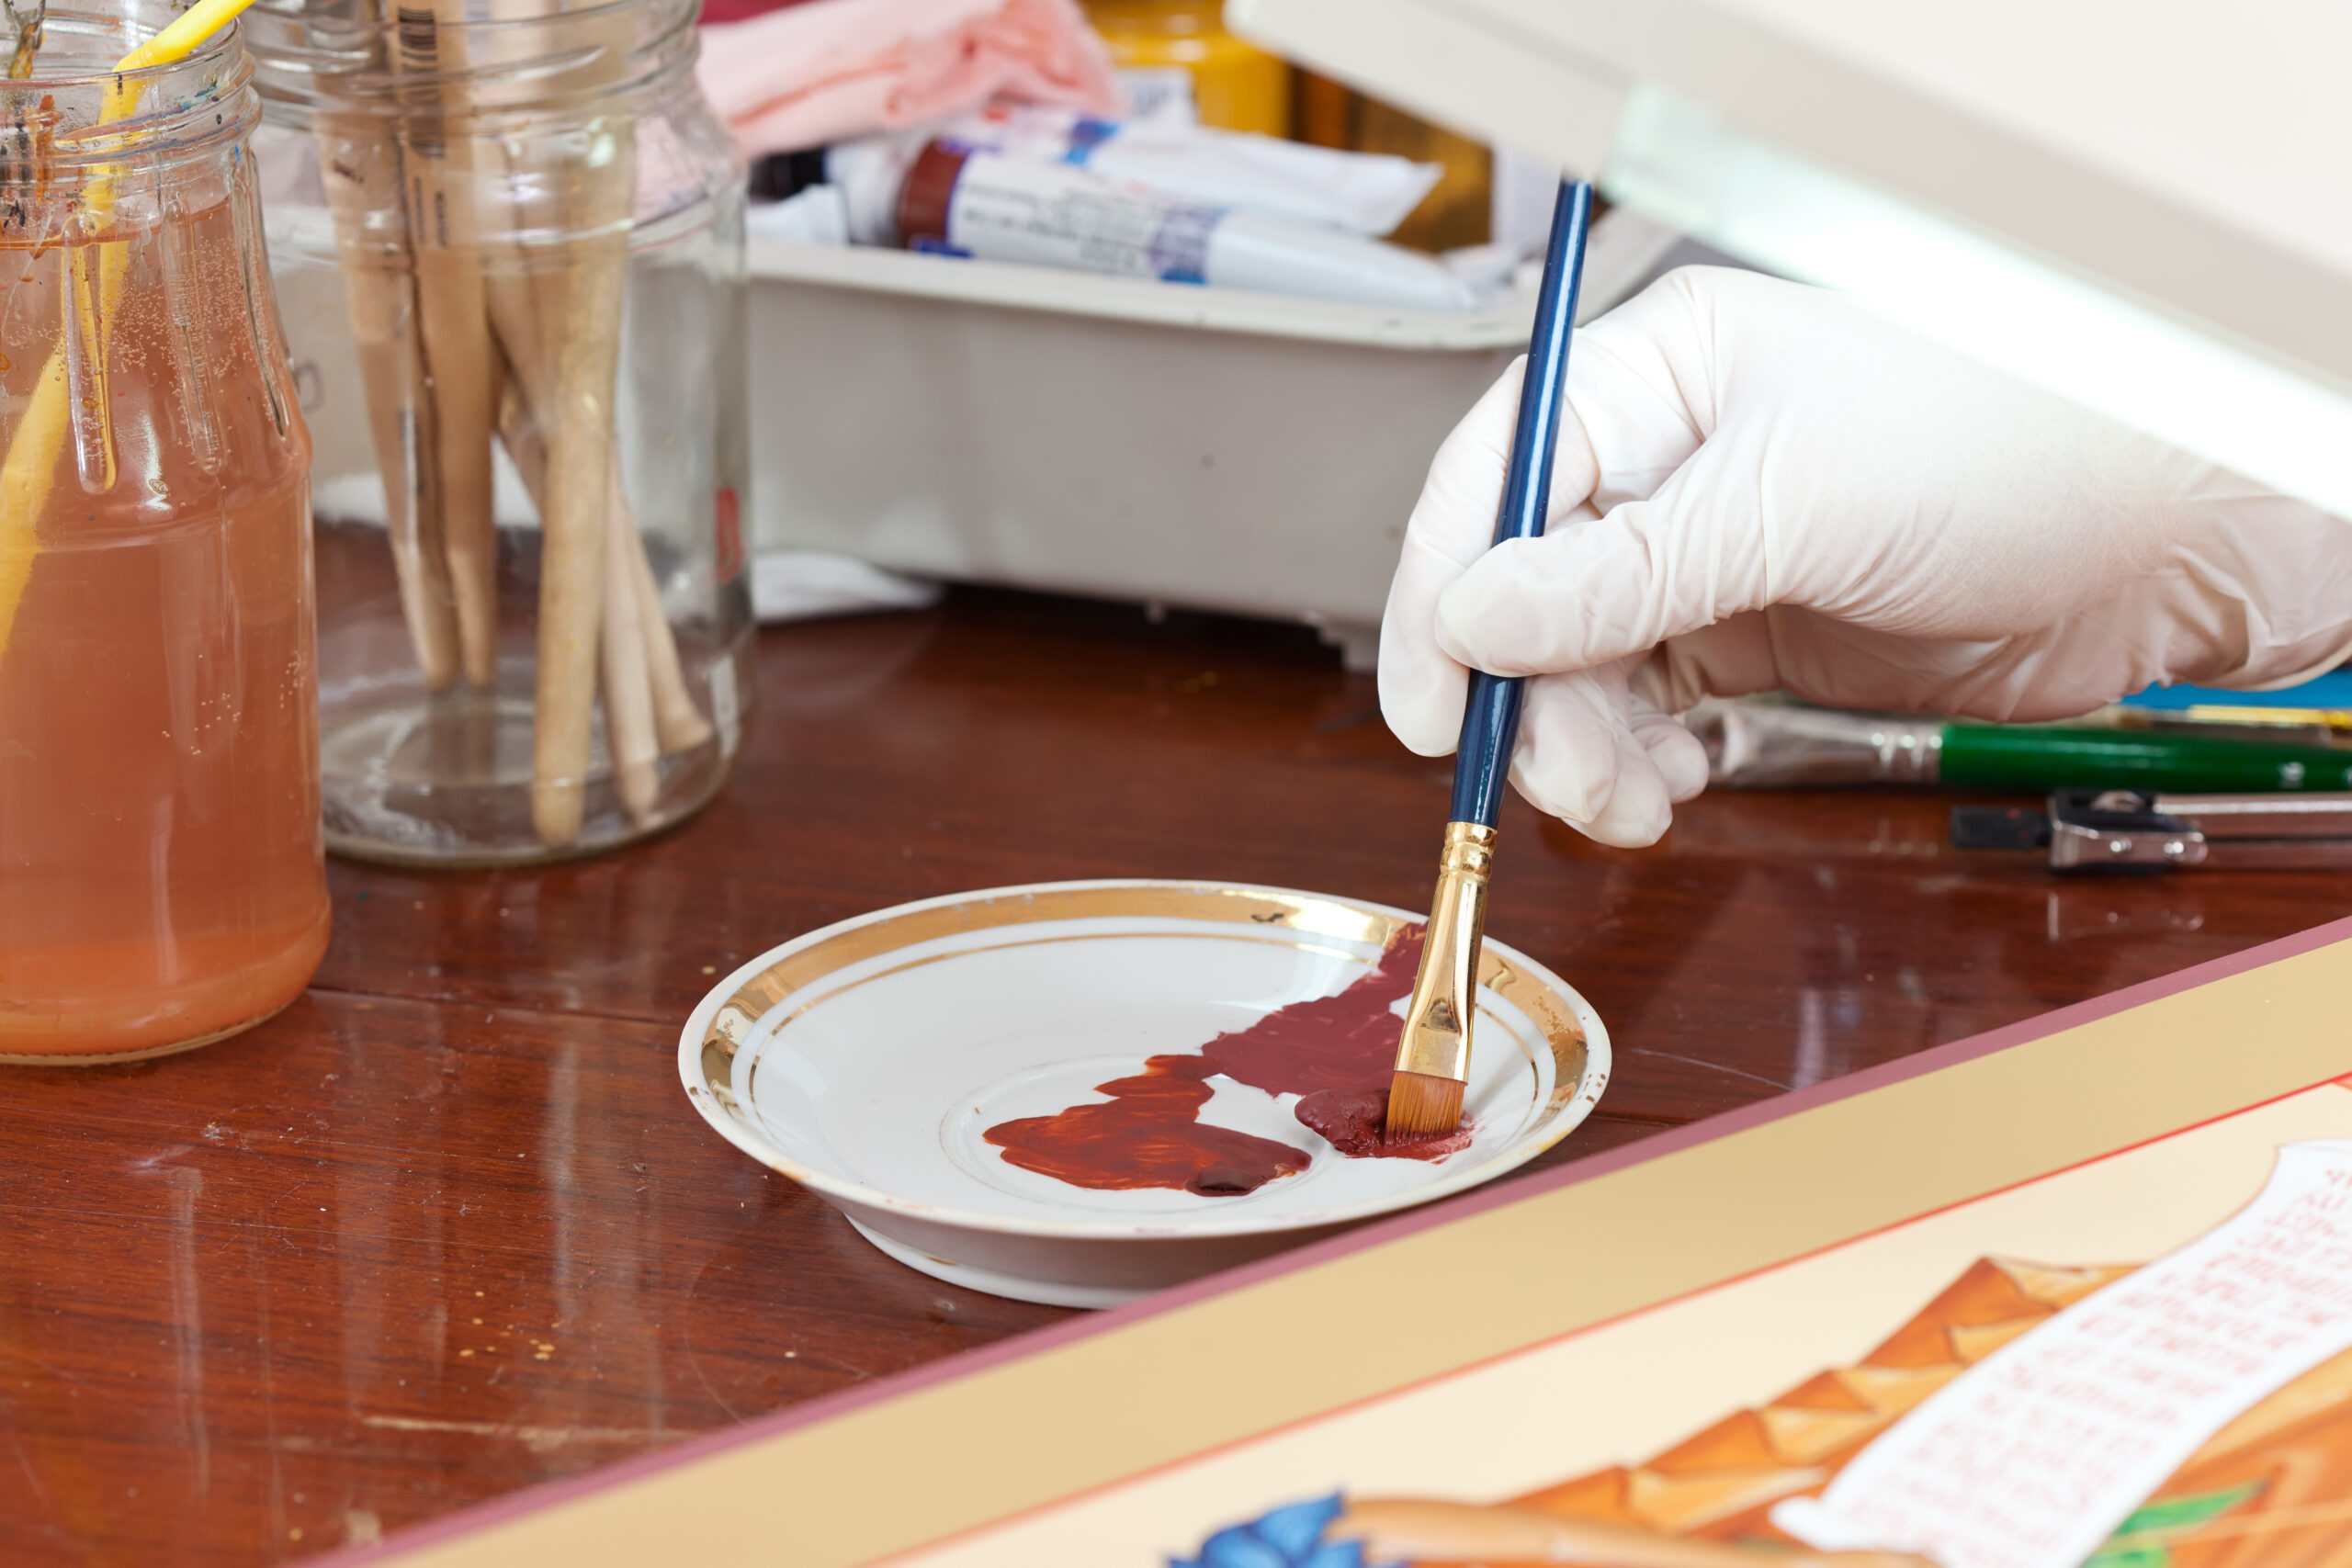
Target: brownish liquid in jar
(160, 874)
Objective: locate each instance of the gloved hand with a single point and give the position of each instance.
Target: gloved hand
(1760, 486)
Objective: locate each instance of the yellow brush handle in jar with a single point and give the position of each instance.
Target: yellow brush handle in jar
(179, 40)
(31, 466)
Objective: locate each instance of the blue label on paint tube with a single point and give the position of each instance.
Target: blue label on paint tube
(1180, 247)
(1087, 135)
(1008, 208)
(932, 245)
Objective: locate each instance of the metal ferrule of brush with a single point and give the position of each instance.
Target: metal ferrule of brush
(1753, 745)
(1445, 992)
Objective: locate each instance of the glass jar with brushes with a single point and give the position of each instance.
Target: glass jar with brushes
(160, 875)
(508, 242)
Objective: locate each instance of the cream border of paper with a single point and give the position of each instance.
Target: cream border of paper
(1289, 1345)
(1620, 1392)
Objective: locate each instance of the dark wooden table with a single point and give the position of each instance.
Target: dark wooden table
(447, 1227)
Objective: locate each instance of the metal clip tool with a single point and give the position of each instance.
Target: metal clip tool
(2125, 830)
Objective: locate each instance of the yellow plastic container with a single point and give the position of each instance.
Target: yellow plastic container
(1236, 86)
(1457, 212)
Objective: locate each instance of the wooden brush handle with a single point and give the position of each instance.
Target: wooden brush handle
(359, 169)
(682, 725)
(630, 730)
(628, 695)
(452, 325)
(644, 658)
(555, 310)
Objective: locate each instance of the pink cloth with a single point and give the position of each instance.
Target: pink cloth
(830, 70)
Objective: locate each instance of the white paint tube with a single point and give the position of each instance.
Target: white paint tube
(963, 201)
(1367, 193)
(817, 216)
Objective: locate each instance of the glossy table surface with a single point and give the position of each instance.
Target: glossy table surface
(448, 1227)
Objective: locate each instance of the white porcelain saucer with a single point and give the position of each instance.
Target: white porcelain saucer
(864, 1060)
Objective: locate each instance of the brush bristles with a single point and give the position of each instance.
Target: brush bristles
(1423, 1106)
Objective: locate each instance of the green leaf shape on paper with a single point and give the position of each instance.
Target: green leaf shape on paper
(2141, 1542)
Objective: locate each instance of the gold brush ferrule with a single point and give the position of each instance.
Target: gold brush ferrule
(1445, 992)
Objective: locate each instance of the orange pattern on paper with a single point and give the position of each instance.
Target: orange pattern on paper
(1720, 1484)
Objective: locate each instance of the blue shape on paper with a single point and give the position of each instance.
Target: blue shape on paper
(1335, 1554)
(1240, 1548)
(1289, 1537)
(1296, 1530)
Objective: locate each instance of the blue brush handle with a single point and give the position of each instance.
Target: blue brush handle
(1490, 723)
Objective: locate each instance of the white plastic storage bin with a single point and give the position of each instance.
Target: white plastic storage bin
(1179, 445)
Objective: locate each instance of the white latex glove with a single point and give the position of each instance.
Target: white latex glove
(1760, 486)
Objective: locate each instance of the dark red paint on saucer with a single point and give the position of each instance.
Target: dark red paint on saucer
(1335, 1051)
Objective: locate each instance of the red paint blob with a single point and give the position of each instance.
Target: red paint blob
(1146, 1136)
(1355, 1122)
(1337, 1052)
(1343, 1042)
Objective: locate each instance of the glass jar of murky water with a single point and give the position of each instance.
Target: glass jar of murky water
(508, 242)
(161, 883)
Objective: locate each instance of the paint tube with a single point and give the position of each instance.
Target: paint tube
(961, 201)
(1367, 193)
(817, 216)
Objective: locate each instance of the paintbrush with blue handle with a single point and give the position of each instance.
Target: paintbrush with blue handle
(1433, 1060)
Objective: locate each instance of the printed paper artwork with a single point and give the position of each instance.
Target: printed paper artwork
(2141, 1362)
